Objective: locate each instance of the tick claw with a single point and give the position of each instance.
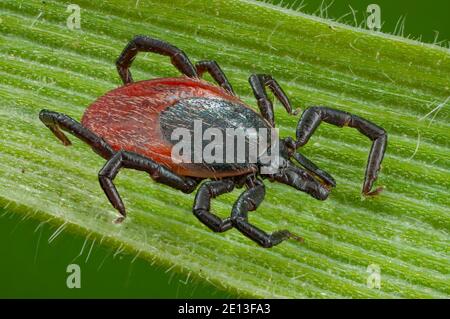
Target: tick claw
(375, 192)
(119, 220)
(297, 238)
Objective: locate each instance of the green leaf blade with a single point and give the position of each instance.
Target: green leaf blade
(392, 82)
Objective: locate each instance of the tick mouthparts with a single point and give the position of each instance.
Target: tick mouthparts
(312, 168)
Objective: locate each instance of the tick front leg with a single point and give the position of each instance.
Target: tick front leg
(202, 205)
(216, 72)
(146, 44)
(160, 174)
(58, 121)
(249, 201)
(259, 82)
(313, 116)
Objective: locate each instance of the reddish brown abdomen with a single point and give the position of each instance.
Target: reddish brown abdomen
(128, 117)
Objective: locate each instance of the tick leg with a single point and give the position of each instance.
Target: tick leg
(313, 116)
(160, 174)
(249, 201)
(302, 181)
(58, 121)
(202, 205)
(259, 82)
(146, 44)
(310, 166)
(216, 72)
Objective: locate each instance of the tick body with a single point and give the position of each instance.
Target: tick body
(132, 127)
(140, 118)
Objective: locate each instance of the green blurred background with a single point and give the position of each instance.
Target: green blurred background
(32, 267)
(423, 19)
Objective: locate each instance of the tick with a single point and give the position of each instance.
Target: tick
(130, 127)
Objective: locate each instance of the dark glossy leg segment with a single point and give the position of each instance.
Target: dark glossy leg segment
(160, 174)
(146, 44)
(202, 204)
(259, 82)
(58, 121)
(303, 181)
(313, 116)
(216, 72)
(311, 167)
(249, 201)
